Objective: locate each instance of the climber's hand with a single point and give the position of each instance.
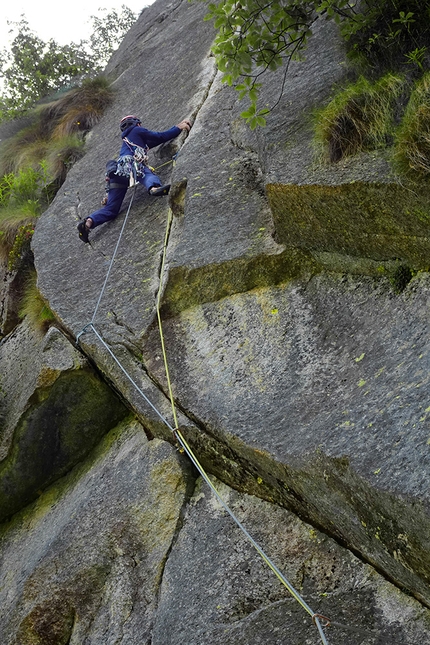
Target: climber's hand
(185, 125)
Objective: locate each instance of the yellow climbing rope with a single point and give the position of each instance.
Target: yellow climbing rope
(160, 326)
(319, 620)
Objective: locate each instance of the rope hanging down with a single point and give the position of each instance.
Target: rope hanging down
(319, 620)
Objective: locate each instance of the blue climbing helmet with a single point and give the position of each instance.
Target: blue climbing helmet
(129, 120)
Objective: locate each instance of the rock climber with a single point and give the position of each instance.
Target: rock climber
(132, 163)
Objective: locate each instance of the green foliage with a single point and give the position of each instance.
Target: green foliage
(416, 57)
(412, 138)
(22, 198)
(24, 187)
(360, 117)
(20, 246)
(254, 38)
(108, 32)
(57, 135)
(32, 69)
(34, 307)
(29, 186)
(388, 33)
(6, 185)
(35, 162)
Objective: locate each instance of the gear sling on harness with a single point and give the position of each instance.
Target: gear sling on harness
(133, 165)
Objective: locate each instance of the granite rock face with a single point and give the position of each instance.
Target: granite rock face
(294, 300)
(84, 562)
(226, 594)
(11, 292)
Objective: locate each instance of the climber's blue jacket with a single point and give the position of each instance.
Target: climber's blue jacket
(143, 137)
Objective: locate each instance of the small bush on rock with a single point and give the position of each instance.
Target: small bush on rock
(80, 109)
(22, 198)
(62, 154)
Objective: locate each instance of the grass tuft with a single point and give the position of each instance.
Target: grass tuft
(412, 138)
(33, 306)
(62, 154)
(23, 196)
(79, 110)
(26, 148)
(360, 117)
(58, 128)
(11, 223)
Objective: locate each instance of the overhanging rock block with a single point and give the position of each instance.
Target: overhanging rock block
(317, 390)
(54, 410)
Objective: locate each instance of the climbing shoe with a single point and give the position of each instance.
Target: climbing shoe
(83, 231)
(159, 191)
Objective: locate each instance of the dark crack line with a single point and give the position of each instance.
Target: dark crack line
(191, 483)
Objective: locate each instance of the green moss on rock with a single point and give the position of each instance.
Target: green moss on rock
(188, 287)
(50, 623)
(370, 220)
(61, 426)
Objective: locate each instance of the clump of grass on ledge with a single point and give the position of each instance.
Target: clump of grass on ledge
(33, 306)
(412, 138)
(58, 128)
(34, 163)
(61, 154)
(16, 230)
(26, 148)
(360, 117)
(79, 110)
(22, 198)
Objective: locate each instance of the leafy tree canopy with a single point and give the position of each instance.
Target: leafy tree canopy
(31, 69)
(257, 36)
(107, 33)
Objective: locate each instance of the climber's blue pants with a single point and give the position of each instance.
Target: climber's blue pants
(116, 196)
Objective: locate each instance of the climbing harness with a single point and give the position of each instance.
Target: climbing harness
(319, 620)
(128, 166)
(140, 155)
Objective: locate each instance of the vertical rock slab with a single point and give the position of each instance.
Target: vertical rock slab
(314, 388)
(319, 390)
(217, 590)
(162, 72)
(221, 242)
(84, 562)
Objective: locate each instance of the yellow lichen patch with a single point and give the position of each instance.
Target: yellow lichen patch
(47, 376)
(188, 287)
